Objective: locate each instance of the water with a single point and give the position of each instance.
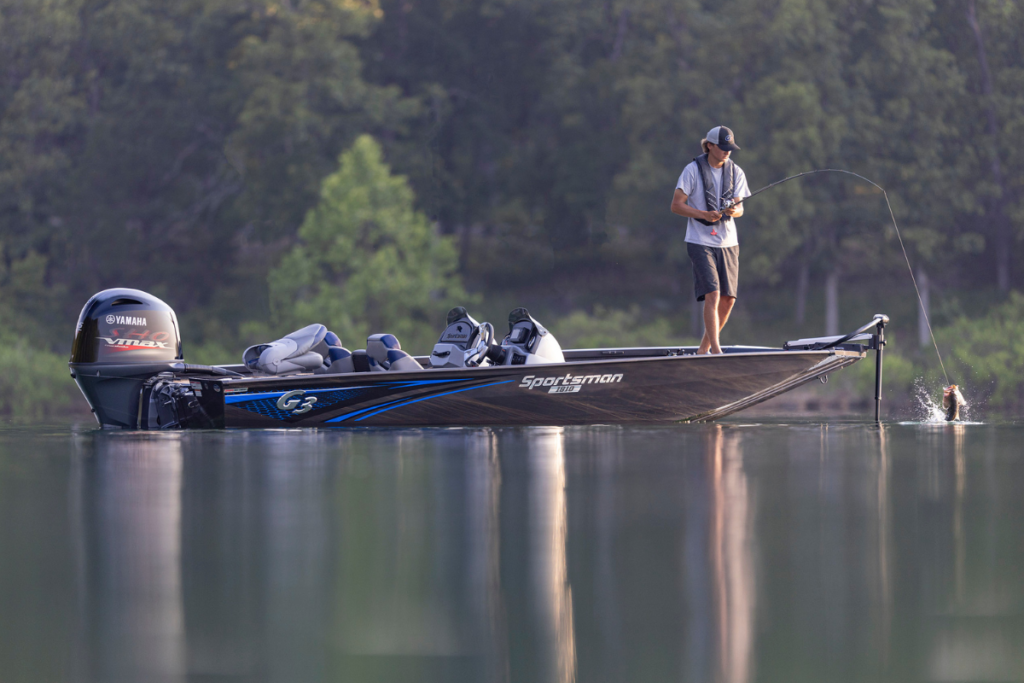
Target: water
(731, 552)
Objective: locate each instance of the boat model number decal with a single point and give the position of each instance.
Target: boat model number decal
(296, 402)
(567, 384)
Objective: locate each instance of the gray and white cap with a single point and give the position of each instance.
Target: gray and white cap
(723, 138)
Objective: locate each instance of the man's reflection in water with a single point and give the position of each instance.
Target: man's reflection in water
(731, 556)
(551, 593)
(126, 496)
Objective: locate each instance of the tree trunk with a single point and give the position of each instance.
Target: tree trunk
(1000, 222)
(801, 293)
(924, 336)
(832, 302)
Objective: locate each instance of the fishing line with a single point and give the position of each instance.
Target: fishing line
(891, 215)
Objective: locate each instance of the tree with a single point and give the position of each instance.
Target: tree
(367, 261)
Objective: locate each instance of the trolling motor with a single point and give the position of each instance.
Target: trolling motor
(874, 341)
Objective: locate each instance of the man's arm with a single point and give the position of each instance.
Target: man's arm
(681, 208)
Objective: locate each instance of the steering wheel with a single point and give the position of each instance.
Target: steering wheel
(479, 351)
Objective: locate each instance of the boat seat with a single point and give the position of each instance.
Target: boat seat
(386, 353)
(339, 360)
(301, 351)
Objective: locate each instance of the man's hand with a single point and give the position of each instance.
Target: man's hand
(735, 211)
(712, 216)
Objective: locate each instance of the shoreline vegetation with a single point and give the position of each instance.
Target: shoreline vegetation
(369, 164)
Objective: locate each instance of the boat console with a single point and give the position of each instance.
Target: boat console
(465, 343)
(528, 342)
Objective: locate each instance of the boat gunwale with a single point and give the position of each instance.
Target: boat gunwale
(471, 371)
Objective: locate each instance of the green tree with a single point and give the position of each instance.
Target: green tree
(367, 261)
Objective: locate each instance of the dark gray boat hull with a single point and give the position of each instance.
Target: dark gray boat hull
(658, 389)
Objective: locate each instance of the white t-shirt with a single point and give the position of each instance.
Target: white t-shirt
(698, 233)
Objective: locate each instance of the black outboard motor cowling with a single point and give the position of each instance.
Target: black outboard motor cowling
(124, 336)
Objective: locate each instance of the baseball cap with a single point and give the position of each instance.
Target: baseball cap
(723, 137)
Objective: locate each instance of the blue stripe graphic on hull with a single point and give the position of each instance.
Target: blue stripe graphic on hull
(245, 398)
(417, 400)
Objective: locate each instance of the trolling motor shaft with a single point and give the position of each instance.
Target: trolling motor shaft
(880, 321)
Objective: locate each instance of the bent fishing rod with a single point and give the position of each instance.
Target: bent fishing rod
(733, 202)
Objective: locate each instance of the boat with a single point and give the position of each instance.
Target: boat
(128, 361)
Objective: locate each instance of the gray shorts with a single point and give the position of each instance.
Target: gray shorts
(715, 269)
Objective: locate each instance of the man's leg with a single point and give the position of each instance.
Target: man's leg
(725, 305)
(712, 324)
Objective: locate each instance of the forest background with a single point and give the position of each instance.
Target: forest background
(264, 164)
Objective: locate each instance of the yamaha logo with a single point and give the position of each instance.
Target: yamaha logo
(126, 320)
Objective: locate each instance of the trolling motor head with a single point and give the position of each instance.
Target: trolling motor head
(123, 337)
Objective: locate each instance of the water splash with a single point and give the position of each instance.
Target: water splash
(928, 410)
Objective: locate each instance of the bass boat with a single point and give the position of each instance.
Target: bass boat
(127, 359)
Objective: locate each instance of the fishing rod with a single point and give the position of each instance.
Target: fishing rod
(733, 202)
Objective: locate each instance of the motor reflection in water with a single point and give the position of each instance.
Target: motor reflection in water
(126, 524)
(725, 553)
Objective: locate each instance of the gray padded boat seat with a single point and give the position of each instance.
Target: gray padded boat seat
(386, 353)
(339, 359)
(301, 351)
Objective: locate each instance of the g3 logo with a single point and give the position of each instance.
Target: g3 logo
(294, 402)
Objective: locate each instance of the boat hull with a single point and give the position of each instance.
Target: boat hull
(630, 390)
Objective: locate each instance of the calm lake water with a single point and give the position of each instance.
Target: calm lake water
(729, 552)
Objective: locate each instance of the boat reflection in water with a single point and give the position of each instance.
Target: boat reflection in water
(126, 518)
(724, 552)
(551, 593)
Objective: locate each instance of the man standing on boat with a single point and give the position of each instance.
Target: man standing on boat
(705, 186)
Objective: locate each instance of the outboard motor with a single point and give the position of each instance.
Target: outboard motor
(124, 337)
(528, 342)
(464, 343)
